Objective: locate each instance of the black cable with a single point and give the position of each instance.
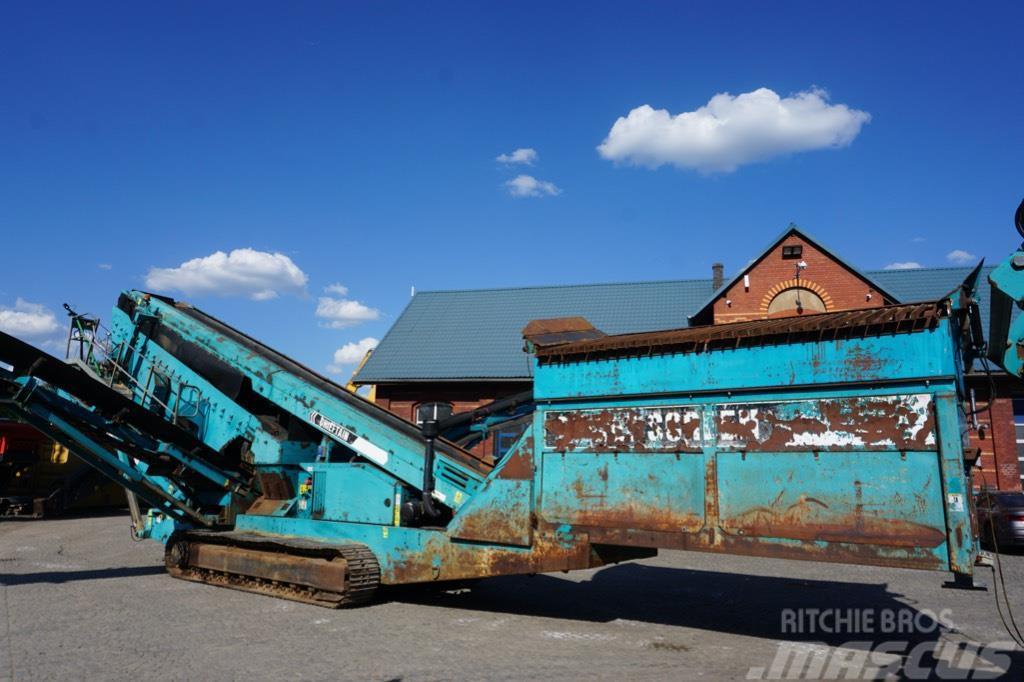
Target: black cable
(1018, 219)
(1019, 641)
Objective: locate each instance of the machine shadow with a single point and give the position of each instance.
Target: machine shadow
(91, 513)
(58, 577)
(755, 606)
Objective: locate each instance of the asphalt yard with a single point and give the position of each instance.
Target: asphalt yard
(81, 600)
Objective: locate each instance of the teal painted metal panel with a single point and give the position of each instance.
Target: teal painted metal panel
(956, 485)
(866, 498)
(499, 513)
(857, 474)
(866, 360)
(353, 492)
(642, 491)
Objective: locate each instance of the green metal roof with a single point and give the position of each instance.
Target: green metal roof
(477, 333)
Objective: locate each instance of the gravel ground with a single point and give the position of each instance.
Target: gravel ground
(80, 600)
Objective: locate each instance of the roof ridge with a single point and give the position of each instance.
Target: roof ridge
(568, 286)
(929, 269)
(688, 280)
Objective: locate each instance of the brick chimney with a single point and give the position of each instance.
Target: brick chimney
(717, 276)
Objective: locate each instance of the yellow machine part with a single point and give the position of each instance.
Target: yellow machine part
(54, 464)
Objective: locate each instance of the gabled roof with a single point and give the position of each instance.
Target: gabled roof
(477, 333)
(703, 310)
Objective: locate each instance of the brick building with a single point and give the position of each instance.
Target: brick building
(452, 351)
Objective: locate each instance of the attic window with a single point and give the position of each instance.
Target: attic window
(794, 251)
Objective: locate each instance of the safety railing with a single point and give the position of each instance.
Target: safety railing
(91, 344)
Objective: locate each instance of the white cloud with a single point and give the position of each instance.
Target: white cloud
(730, 131)
(906, 265)
(260, 275)
(351, 353)
(336, 288)
(919, 240)
(105, 266)
(529, 186)
(342, 312)
(961, 257)
(522, 155)
(29, 320)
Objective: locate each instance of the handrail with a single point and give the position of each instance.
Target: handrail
(91, 334)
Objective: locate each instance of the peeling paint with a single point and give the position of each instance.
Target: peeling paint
(637, 429)
(903, 422)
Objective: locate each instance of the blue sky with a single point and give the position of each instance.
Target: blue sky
(359, 141)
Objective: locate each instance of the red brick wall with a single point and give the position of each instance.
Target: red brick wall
(997, 440)
(838, 287)
(403, 399)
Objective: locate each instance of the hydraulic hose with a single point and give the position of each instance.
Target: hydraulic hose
(1018, 218)
(430, 433)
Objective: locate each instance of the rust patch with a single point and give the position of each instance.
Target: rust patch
(508, 525)
(807, 520)
(637, 516)
(277, 490)
(849, 553)
(711, 509)
(275, 486)
(637, 429)
(328, 574)
(519, 465)
(454, 561)
(865, 423)
(558, 330)
(863, 363)
(804, 550)
(894, 319)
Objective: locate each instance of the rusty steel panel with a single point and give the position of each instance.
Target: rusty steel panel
(819, 327)
(560, 330)
(328, 574)
(881, 499)
(639, 491)
(624, 429)
(904, 422)
(437, 559)
(518, 464)
(501, 510)
(499, 513)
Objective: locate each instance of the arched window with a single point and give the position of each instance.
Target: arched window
(432, 411)
(795, 301)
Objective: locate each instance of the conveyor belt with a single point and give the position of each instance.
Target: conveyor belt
(373, 411)
(29, 360)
